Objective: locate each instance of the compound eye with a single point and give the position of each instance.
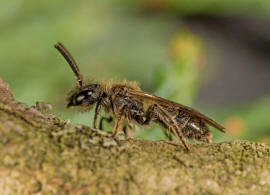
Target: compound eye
(80, 98)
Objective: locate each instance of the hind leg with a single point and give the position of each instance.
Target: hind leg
(157, 113)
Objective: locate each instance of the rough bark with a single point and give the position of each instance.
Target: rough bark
(41, 153)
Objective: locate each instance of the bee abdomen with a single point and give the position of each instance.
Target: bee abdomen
(198, 130)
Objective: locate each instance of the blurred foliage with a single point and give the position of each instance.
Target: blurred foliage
(207, 7)
(114, 40)
(249, 120)
(179, 79)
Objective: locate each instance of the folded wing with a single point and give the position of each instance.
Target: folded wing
(158, 100)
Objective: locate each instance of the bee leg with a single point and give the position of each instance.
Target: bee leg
(168, 135)
(174, 127)
(116, 127)
(97, 110)
(177, 131)
(128, 130)
(156, 112)
(108, 119)
(150, 115)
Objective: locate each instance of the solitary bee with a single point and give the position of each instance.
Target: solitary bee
(126, 102)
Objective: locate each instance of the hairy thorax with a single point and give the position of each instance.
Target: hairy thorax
(118, 104)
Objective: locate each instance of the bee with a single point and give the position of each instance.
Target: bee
(127, 103)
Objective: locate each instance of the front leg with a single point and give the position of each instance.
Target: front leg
(97, 110)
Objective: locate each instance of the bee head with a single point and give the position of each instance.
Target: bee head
(85, 96)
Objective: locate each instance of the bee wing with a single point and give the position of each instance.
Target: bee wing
(155, 99)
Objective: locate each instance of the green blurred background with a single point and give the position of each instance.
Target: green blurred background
(211, 55)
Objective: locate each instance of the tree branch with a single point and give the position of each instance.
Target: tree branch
(42, 153)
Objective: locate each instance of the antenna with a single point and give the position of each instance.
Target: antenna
(70, 60)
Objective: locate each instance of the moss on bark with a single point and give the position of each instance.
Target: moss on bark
(42, 153)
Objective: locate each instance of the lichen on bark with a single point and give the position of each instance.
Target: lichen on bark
(41, 153)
